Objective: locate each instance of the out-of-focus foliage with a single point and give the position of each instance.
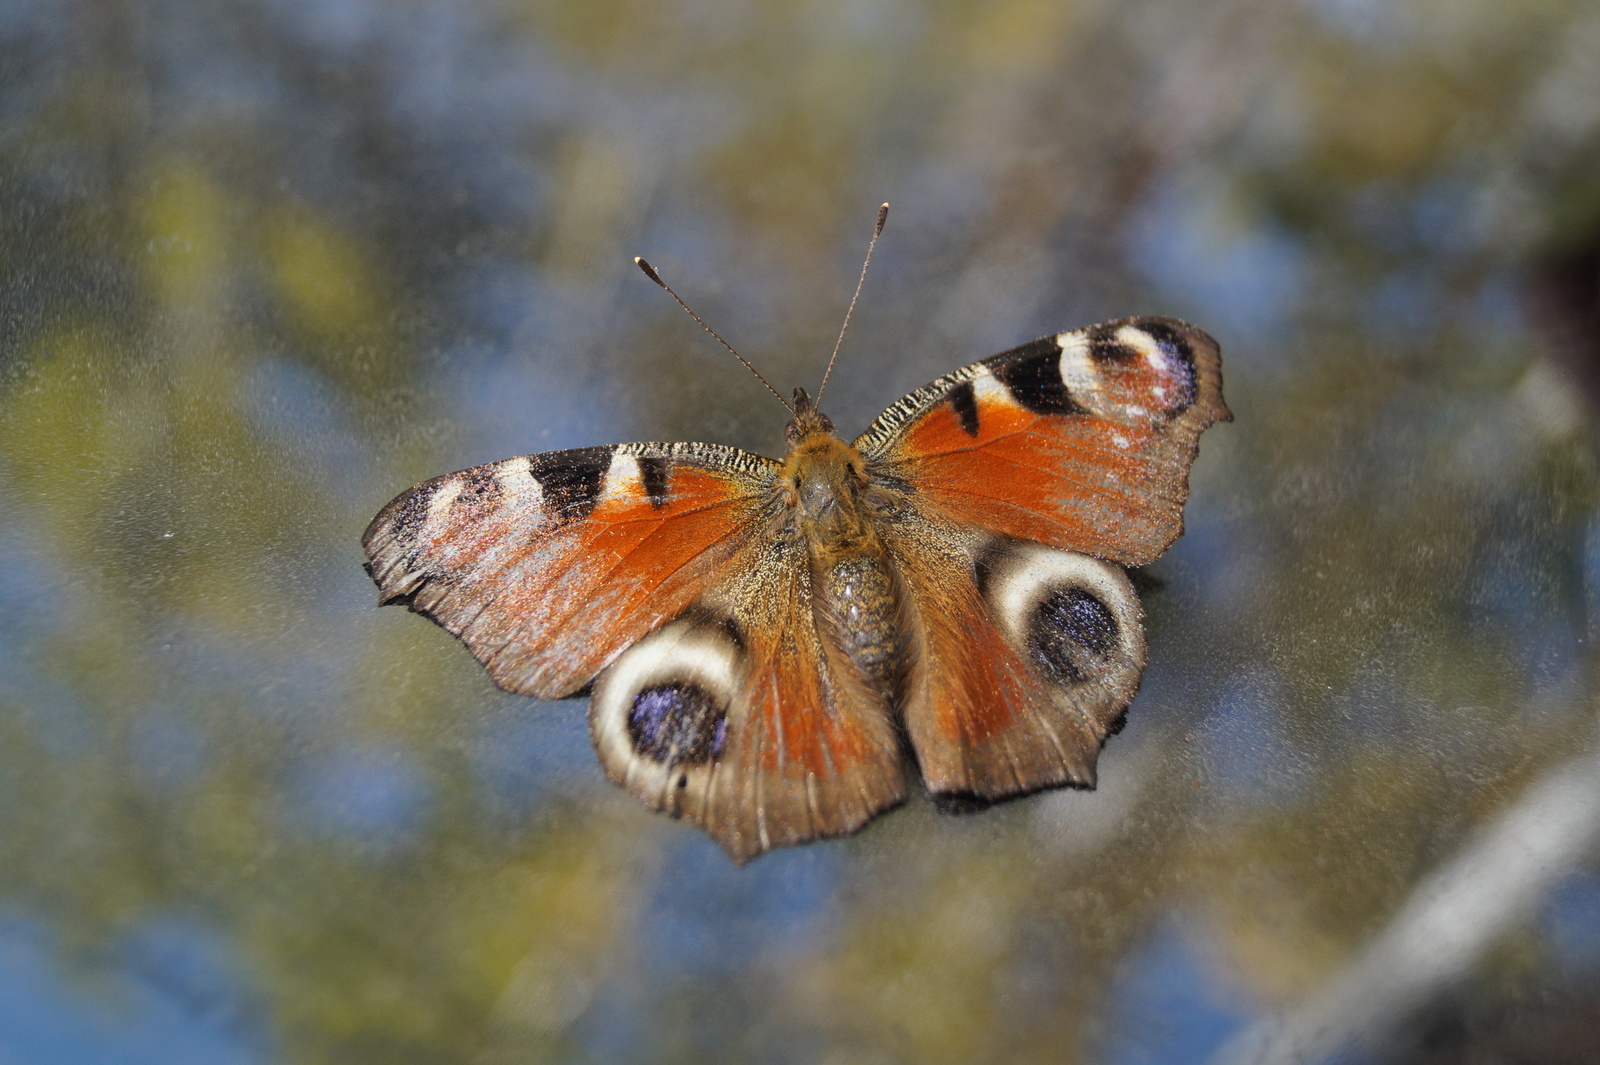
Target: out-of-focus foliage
(263, 265)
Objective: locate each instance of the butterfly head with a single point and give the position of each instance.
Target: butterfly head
(808, 420)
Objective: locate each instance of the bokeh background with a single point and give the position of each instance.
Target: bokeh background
(266, 263)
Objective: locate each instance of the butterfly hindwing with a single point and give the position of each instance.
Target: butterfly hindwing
(1081, 440)
(1025, 658)
(548, 566)
(741, 718)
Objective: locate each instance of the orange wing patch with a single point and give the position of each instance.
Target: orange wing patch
(814, 751)
(980, 720)
(1081, 441)
(807, 759)
(802, 748)
(548, 566)
(1073, 482)
(1025, 658)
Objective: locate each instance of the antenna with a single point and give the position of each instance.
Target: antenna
(650, 272)
(883, 216)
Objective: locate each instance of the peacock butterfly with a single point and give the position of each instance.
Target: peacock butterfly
(769, 647)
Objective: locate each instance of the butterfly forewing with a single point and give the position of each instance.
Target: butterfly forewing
(1081, 440)
(548, 566)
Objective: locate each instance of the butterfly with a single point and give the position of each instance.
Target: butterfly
(771, 649)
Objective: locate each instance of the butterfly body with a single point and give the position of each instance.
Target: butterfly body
(832, 503)
(773, 648)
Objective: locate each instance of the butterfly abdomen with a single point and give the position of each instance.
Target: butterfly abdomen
(859, 602)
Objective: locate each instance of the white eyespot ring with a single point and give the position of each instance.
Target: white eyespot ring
(696, 653)
(1021, 577)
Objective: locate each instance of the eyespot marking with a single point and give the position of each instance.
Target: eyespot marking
(1079, 370)
(442, 500)
(730, 628)
(1075, 617)
(1105, 346)
(677, 723)
(662, 709)
(1174, 357)
(1072, 634)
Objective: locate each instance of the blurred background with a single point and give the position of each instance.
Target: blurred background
(266, 263)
